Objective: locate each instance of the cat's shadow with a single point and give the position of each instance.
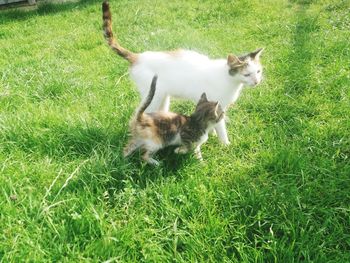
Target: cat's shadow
(108, 171)
(96, 153)
(43, 8)
(168, 160)
(133, 173)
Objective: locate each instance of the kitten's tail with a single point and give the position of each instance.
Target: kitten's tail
(149, 98)
(108, 34)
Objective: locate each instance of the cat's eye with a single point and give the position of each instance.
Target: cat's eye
(258, 71)
(246, 75)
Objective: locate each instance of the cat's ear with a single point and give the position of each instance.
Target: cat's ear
(216, 108)
(255, 55)
(233, 61)
(203, 97)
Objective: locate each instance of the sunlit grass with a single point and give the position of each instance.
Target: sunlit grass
(279, 192)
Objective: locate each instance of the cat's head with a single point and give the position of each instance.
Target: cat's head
(209, 112)
(247, 68)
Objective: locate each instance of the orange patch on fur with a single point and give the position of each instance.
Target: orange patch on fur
(174, 53)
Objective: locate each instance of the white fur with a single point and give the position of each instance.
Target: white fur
(176, 140)
(187, 74)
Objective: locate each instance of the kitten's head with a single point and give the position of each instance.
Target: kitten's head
(209, 112)
(246, 68)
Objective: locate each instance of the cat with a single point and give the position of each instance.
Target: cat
(186, 74)
(156, 130)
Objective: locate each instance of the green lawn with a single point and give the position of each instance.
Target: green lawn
(279, 193)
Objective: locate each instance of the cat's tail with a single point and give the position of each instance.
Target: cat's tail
(108, 34)
(148, 100)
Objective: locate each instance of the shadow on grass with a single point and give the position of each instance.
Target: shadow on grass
(140, 175)
(290, 110)
(111, 174)
(58, 141)
(45, 8)
(298, 66)
(290, 182)
(116, 172)
(106, 167)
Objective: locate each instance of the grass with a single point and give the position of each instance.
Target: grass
(279, 193)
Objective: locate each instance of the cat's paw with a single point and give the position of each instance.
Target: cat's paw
(153, 162)
(199, 158)
(213, 132)
(226, 142)
(126, 152)
(180, 150)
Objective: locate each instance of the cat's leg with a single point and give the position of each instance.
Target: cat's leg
(221, 131)
(213, 132)
(151, 147)
(147, 157)
(131, 147)
(197, 149)
(183, 149)
(198, 153)
(165, 103)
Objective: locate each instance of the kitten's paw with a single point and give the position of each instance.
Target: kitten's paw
(180, 150)
(200, 159)
(213, 132)
(177, 150)
(153, 162)
(226, 142)
(126, 153)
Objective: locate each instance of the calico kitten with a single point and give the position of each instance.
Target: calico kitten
(156, 130)
(187, 74)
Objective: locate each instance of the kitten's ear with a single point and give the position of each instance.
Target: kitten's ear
(255, 55)
(203, 97)
(232, 60)
(216, 108)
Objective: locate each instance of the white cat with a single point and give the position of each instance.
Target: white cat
(187, 74)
